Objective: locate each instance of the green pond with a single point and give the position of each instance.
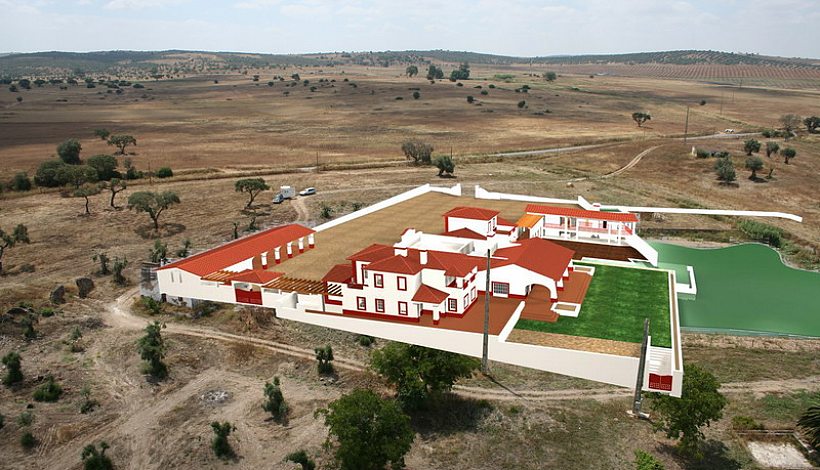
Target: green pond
(746, 289)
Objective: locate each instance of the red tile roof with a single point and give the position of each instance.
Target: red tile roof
(430, 295)
(374, 252)
(476, 213)
(338, 273)
(454, 264)
(396, 264)
(244, 248)
(464, 233)
(571, 212)
(537, 255)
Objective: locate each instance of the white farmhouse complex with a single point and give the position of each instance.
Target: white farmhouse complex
(414, 268)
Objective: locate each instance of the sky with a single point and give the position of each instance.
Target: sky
(510, 27)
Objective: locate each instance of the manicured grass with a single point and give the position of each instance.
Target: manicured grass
(615, 306)
(746, 288)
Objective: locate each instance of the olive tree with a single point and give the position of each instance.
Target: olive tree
(790, 123)
(152, 350)
(417, 151)
(69, 151)
(751, 146)
(121, 141)
(152, 203)
(772, 148)
(755, 164)
(14, 372)
(9, 240)
(115, 186)
(640, 118)
(788, 153)
(252, 186)
(86, 191)
(445, 166)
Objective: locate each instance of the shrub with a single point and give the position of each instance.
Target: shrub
(88, 404)
(470, 99)
(700, 153)
(49, 391)
(485, 92)
(152, 306)
(220, 445)
(46, 312)
(2, 421)
(14, 373)
(205, 308)
(96, 460)
(762, 232)
(25, 419)
(20, 182)
(164, 172)
(138, 85)
(645, 461)
(275, 401)
(522, 104)
(703, 102)
(366, 341)
(416, 95)
(746, 423)
(490, 86)
(301, 457)
(324, 358)
(28, 441)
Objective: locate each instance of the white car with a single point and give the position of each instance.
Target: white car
(728, 131)
(307, 192)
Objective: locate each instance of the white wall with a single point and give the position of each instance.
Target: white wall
(518, 278)
(188, 285)
(483, 227)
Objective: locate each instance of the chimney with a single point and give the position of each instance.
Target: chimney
(400, 252)
(423, 256)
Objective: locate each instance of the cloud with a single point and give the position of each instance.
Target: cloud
(138, 4)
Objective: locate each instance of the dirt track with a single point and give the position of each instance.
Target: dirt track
(119, 316)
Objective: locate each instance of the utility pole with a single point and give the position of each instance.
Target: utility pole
(686, 129)
(721, 102)
(485, 369)
(636, 403)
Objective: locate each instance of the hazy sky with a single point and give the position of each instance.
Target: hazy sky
(512, 27)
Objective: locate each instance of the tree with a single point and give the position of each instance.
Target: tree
(152, 350)
(416, 95)
(772, 148)
(86, 191)
(462, 73)
(641, 118)
(445, 165)
(252, 186)
(324, 358)
(434, 73)
(301, 457)
(121, 141)
(788, 153)
(411, 71)
(94, 459)
(470, 99)
(809, 422)
(790, 122)
(755, 164)
(522, 104)
(370, 431)
(275, 401)
(103, 259)
(115, 186)
(50, 391)
(185, 250)
(20, 182)
(69, 151)
(75, 175)
(812, 123)
(699, 405)
(645, 461)
(165, 172)
(14, 373)
(220, 445)
(418, 152)
(118, 267)
(106, 166)
(9, 240)
(152, 203)
(751, 146)
(159, 252)
(46, 175)
(28, 322)
(102, 133)
(418, 372)
(550, 76)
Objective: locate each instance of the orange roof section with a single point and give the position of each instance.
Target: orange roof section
(256, 276)
(430, 295)
(338, 273)
(582, 213)
(537, 255)
(529, 220)
(241, 249)
(476, 213)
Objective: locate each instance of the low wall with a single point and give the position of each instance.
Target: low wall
(678, 210)
(481, 193)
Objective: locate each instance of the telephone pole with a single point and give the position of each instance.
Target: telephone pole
(686, 129)
(485, 369)
(636, 403)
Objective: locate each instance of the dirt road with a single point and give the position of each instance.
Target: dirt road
(118, 315)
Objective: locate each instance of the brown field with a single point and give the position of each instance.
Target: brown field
(192, 126)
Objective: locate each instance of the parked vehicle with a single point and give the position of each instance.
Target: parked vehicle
(285, 192)
(307, 192)
(278, 199)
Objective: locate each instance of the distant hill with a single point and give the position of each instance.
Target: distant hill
(174, 63)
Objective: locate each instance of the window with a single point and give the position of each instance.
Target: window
(361, 303)
(501, 288)
(475, 293)
(378, 280)
(452, 305)
(466, 301)
(402, 308)
(401, 282)
(380, 305)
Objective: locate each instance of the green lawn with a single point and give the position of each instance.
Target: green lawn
(615, 306)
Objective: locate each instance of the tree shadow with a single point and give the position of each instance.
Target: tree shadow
(448, 413)
(714, 454)
(757, 179)
(165, 230)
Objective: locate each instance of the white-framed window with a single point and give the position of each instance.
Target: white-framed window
(401, 283)
(380, 305)
(361, 303)
(466, 301)
(452, 305)
(501, 288)
(402, 308)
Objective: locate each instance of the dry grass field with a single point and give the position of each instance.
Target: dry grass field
(215, 133)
